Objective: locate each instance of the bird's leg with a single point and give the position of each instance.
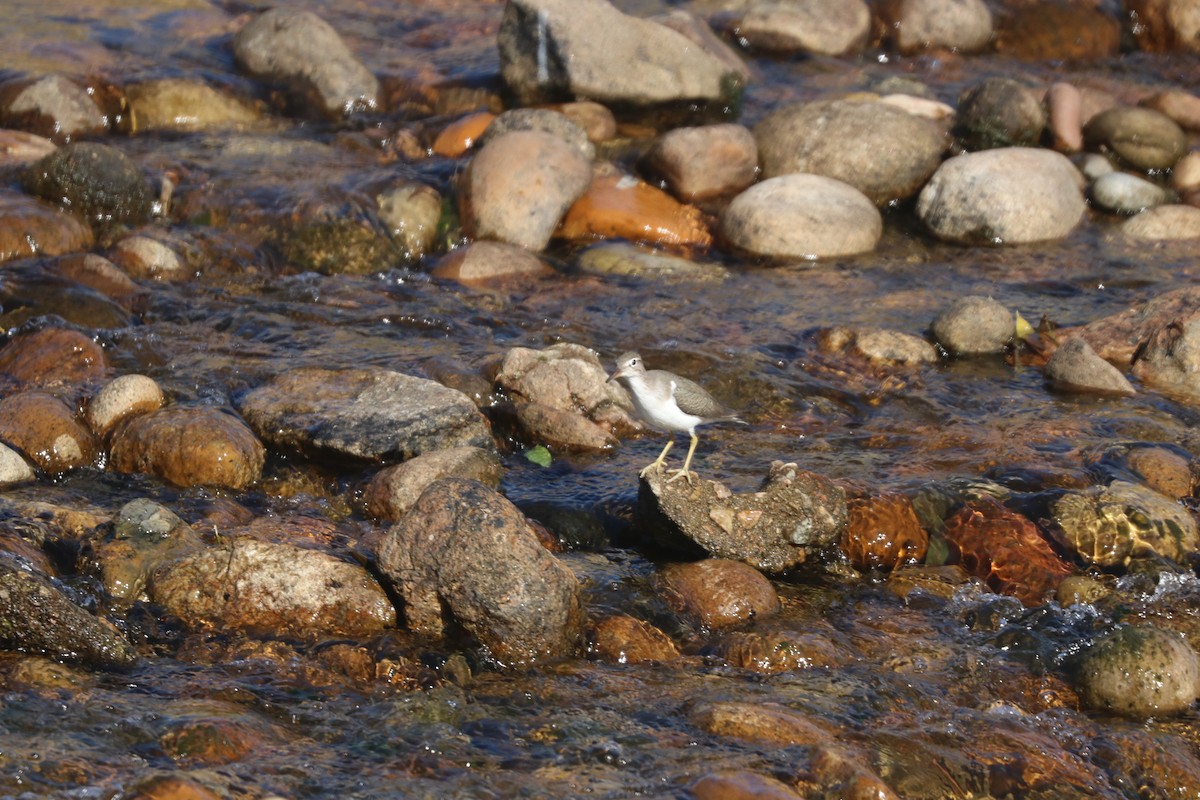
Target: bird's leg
(687, 462)
(658, 462)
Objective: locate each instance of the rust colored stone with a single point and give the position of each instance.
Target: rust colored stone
(53, 356)
(190, 446)
(622, 207)
(883, 533)
(45, 429)
(461, 135)
(1006, 550)
(621, 639)
(719, 592)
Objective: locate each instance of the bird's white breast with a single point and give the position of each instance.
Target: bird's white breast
(658, 408)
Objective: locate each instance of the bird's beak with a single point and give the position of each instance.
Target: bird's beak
(618, 374)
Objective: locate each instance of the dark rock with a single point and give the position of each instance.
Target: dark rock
(465, 553)
(36, 617)
(1138, 671)
(795, 516)
(95, 181)
(999, 112)
(366, 413)
(143, 537)
(1141, 137)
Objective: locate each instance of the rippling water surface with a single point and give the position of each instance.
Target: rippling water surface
(924, 689)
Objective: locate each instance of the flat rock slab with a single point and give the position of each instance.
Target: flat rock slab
(794, 516)
(369, 413)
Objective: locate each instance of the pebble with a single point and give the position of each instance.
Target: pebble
(148, 258)
(624, 259)
(461, 135)
(543, 120)
(1165, 25)
(1064, 106)
(596, 120)
(1181, 106)
(883, 533)
(974, 325)
(189, 446)
(519, 186)
(961, 25)
(704, 162)
(718, 592)
(484, 262)
(120, 399)
(1110, 526)
(817, 27)
(999, 112)
(411, 213)
(1170, 357)
(1185, 176)
(13, 467)
(52, 106)
(880, 346)
(802, 217)
(179, 104)
(1164, 223)
(96, 181)
(1009, 195)
(1122, 193)
(28, 228)
(617, 206)
(52, 357)
(637, 62)
(1141, 137)
(1138, 671)
(17, 148)
(740, 785)
(884, 152)
(1074, 366)
(303, 52)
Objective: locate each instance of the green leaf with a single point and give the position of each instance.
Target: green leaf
(539, 455)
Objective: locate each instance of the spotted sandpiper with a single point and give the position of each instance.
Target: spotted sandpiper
(670, 403)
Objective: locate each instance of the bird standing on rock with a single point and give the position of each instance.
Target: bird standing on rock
(670, 403)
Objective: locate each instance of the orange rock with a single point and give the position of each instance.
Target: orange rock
(622, 639)
(460, 136)
(190, 446)
(29, 227)
(53, 356)
(623, 207)
(45, 429)
(883, 533)
(1006, 550)
(719, 592)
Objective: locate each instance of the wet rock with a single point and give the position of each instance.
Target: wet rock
(619, 206)
(596, 120)
(461, 135)
(169, 787)
(1111, 525)
(143, 537)
(272, 589)
(1076, 589)
(29, 227)
(717, 592)
(366, 413)
(189, 446)
(18, 149)
(120, 399)
(1122, 193)
(335, 232)
(1074, 366)
(542, 120)
(740, 785)
(1143, 138)
(1009, 195)
(879, 346)
(704, 162)
(396, 489)
(819, 27)
(621, 639)
(1138, 671)
(181, 104)
(1165, 25)
(563, 397)
(802, 217)
(95, 181)
(1182, 107)
(974, 325)
(411, 212)
(759, 722)
(960, 25)
(1058, 32)
(301, 51)
(13, 467)
(465, 553)
(1169, 359)
(552, 50)
(773, 649)
(43, 428)
(621, 258)
(520, 185)
(1006, 551)
(1064, 111)
(35, 617)
(100, 274)
(147, 257)
(795, 515)
(209, 742)
(484, 262)
(999, 112)
(884, 152)
(1165, 471)
(1117, 337)
(52, 106)
(883, 532)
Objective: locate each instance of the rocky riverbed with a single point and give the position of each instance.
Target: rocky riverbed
(313, 484)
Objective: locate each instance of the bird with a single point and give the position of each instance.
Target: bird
(670, 403)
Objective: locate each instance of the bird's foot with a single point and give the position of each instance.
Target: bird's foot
(657, 465)
(681, 473)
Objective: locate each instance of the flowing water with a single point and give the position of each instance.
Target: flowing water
(925, 690)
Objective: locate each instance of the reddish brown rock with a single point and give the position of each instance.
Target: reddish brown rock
(883, 532)
(97, 272)
(396, 489)
(1007, 551)
(621, 639)
(28, 227)
(623, 207)
(190, 446)
(760, 722)
(739, 785)
(1116, 338)
(773, 650)
(274, 590)
(1059, 31)
(53, 356)
(170, 787)
(209, 742)
(718, 592)
(704, 162)
(46, 431)
(1164, 25)
(461, 135)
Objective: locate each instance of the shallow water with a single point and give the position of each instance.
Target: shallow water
(925, 691)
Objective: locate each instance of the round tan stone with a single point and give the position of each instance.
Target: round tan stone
(122, 398)
(190, 446)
